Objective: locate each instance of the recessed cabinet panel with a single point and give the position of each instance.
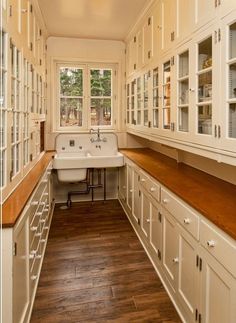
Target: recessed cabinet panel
(129, 186)
(146, 214)
(136, 197)
(186, 18)
(148, 40)
(156, 229)
(206, 10)
(122, 183)
(169, 23)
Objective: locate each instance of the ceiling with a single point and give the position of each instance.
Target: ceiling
(94, 19)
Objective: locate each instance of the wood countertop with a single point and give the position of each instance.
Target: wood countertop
(211, 196)
(15, 203)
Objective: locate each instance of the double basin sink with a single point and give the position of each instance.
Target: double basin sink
(77, 153)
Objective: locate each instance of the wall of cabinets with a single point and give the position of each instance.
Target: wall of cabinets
(23, 251)
(23, 96)
(186, 83)
(191, 255)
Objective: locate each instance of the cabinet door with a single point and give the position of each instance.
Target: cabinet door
(145, 218)
(157, 30)
(206, 89)
(205, 11)
(122, 183)
(129, 187)
(227, 121)
(136, 196)
(20, 274)
(148, 40)
(170, 249)
(31, 22)
(186, 16)
(14, 16)
(218, 292)
(169, 23)
(156, 228)
(187, 272)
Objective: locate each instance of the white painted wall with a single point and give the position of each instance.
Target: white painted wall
(85, 50)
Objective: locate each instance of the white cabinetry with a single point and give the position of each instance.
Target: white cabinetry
(195, 259)
(23, 250)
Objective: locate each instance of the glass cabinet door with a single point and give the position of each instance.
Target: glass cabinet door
(133, 122)
(204, 81)
(231, 104)
(183, 92)
(139, 101)
(155, 98)
(128, 104)
(145, 99)
(166, 103)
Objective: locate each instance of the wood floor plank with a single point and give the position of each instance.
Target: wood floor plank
(96, 270)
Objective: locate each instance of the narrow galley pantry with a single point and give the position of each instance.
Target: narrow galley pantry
(118, 155)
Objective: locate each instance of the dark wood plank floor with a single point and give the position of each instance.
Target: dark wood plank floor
(95, 270)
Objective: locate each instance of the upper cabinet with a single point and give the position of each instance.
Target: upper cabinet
(185, 87)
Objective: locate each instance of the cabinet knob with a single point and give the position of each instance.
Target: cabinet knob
(142, 180)
(34, 203)
(175, 260)
(33, 252)
(33, 277)
(131, 191)
(33, 228)
(152, 189)
(191, 90)
(148, 221)
(186, 221)
(211, 243)
(43, 240)
(31, 256)
(165, 201)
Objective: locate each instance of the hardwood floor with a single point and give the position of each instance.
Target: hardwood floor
(96, 270)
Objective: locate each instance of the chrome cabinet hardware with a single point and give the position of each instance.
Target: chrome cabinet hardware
(175, 260)
(187, 221)
(211, 243)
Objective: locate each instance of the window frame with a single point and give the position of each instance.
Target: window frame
(86, 118)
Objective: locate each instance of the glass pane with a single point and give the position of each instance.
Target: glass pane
(166, 90)
(18, 95)
(232, 81)
(71, 81)
(13, 98)
(132, 87)
(156, 118)
(205, 87)
(232, 41)
(145, 115)
(139, 101)
(127, 104)
(17, 126)
(166, 118)
(127, 89)
(3, 90)
(138, 117)
(132, 118)
(71, 112)
(166, 75)
(155, 98)
(232, 120)
(128, 117)
(3, 49)
(100, 112)
(12, 160)
(2, 168)
(139, 85)
(205, 54)
(17, 158)
(155, 77)
(17, 63)
(205, 119)
(100, 82)
(13, 60)
(184, 64)
(183, 92)
(132, 102)
(183, 119)
(3, 129)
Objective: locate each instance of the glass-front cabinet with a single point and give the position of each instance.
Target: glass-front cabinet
(139, 97)
(155, 98)
(228, 102)
(145, 99)
(166, 90)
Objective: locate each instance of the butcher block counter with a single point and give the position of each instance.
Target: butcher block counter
(211, 196)
(15, 203)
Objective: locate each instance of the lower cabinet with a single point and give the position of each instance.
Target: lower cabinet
(195, 259)
(23, 250)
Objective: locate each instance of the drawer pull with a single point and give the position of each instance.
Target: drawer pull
(38, 257)
(186, 221)
(33, 228)
(152, 189)
(131, 191)
(34, 203)
(148, 221)
(33, 277)
(33, 252)
(175, 260)
(31, 256)
(43, 240)
(165, 201)
(143, 180)
(211, 243)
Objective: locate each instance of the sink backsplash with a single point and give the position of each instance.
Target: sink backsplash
(82, 142)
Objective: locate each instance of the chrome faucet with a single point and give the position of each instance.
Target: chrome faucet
(98, 139)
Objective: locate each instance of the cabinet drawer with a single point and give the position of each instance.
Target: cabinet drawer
(187, 217)
(221, 248)
(154, 189)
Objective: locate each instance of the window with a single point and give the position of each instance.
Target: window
(86, 96)
(3, 108)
